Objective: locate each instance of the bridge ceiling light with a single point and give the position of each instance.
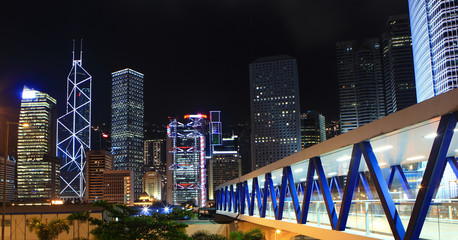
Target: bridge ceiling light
(303, 179)
(343, 158)
(332, 174)
(383, 148)
(431, 135)
(298, 170)
(415, 158)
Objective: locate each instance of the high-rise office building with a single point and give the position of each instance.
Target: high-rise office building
(74, 131)
(10, 193)
(154, 156)
(274, 102)
(127, 124)
(398, 64)
(434, 27)
(186, 163)
(313, 128)
(97, 161)
(361, 88)
(37, 166)
(225, 164)
(118, 186)
(152, 182)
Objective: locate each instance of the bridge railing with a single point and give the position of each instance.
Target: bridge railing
(282, 195)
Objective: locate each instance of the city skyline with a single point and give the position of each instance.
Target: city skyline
(182, 47)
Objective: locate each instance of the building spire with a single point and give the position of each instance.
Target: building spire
(81, 52)
(73, 52)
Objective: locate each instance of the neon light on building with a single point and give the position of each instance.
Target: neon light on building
(186, 161)
(74, 131)
(434, 43)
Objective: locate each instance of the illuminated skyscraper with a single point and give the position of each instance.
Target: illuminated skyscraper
(74, 131)
(274, 97)
(37, 166)
(186, 164)
(434, 27)
(127, 124)
(97, 161)
(398, 64)
(313, 128)
(154, 155)
(360, 76)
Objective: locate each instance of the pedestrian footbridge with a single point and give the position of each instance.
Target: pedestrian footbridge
(393, 178)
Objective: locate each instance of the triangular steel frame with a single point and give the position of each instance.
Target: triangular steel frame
(433, 174)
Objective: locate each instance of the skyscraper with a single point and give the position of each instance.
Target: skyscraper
(225, 164)
(74, 131)
(37, 166)
(313, 128)
(127, 124)
(274, 101)
(97, 161)
(10, 192)
(118, 186)
(434, 28)
(398, 64)
(186, 164)
(360, 76)
(153, 155)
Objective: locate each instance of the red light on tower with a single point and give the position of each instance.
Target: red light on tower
(104, 135)
(195, 116)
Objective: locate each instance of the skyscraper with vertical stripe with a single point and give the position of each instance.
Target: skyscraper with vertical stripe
(127, 124)
(360, 76)
(434, 27)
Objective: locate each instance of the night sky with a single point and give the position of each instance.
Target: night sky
(194, 54)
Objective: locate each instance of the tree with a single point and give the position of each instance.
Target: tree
(252, 234)
(48, 231)
(124, 225)
(80, 217)
(205, 235)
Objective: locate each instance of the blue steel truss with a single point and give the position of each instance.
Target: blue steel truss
(334, 182)
(430, 182)
(402, 179)
(74, 131)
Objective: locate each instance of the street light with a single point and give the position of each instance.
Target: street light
(278, 231)
(5, 162)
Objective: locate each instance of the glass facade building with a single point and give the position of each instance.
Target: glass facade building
(74, 132)
(313, 128)
(186, 163)
(398, 64)
(275, 120)
(361, 88)
(37, 166)
(434, 29)
(127, 114)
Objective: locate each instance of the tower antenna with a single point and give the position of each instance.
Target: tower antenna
(73, 52)
(81, 52)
